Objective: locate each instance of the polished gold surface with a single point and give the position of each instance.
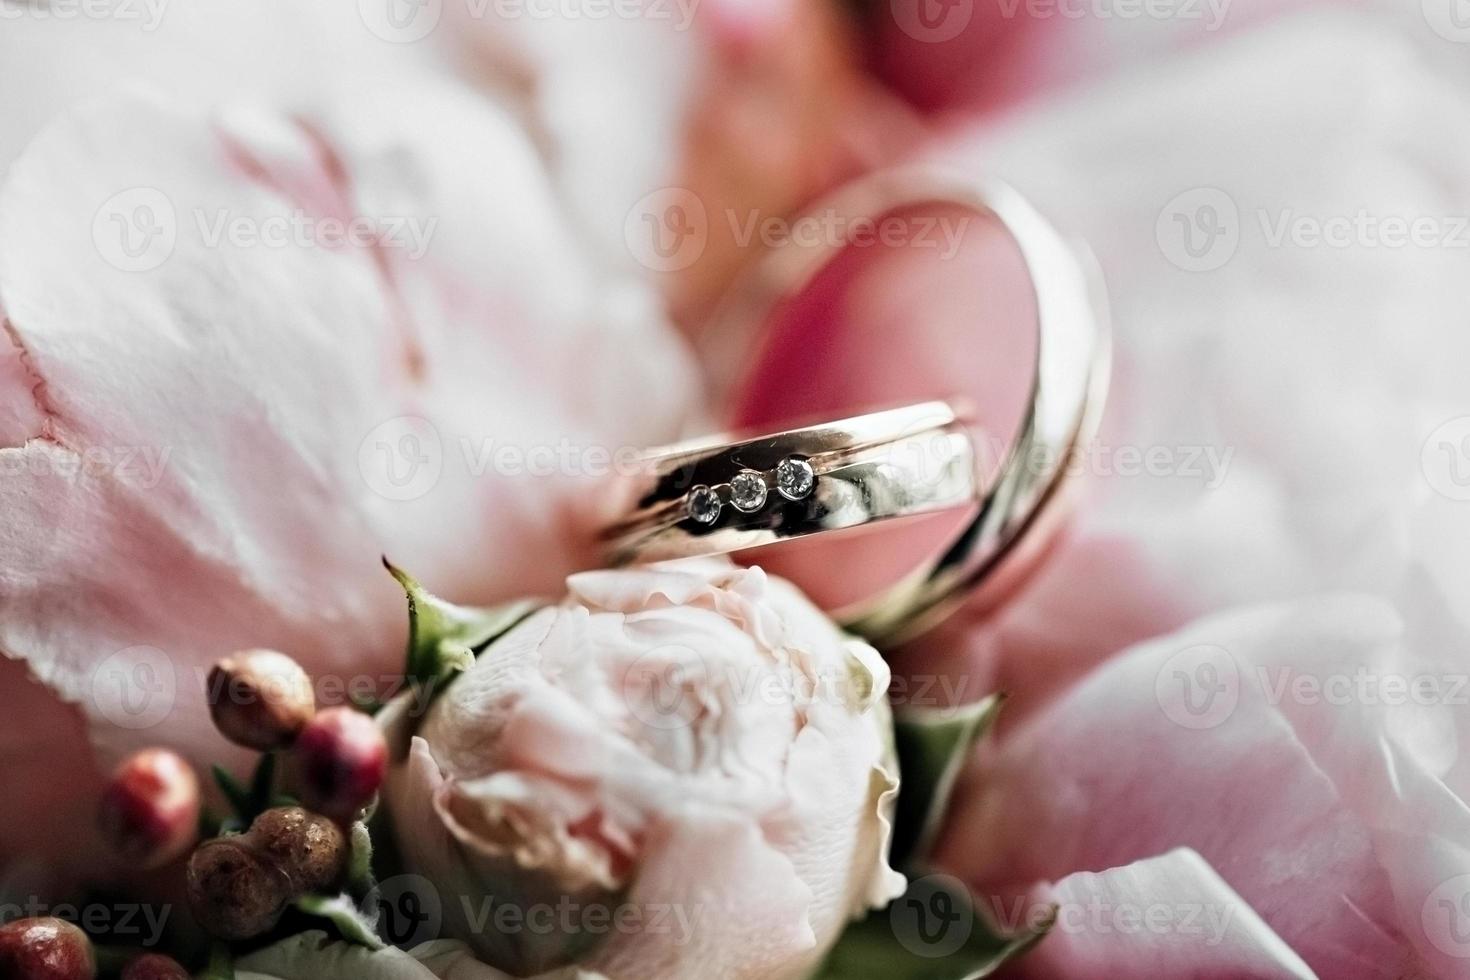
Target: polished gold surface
(701, 499)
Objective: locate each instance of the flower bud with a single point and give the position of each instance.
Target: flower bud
(260, 699)
(149, 812)
(45, 949)
(235, 892)
(154, 966)
(311, 849)
(341, 761)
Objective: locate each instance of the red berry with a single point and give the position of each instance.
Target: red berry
(260, 699)
(45, 949)
(150, 809)
(154, 966)
(341, 762)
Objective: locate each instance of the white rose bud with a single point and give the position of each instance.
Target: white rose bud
(684, 770)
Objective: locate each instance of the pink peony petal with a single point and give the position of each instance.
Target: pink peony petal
(1200, 740)
(203, 455)
(1167, 916)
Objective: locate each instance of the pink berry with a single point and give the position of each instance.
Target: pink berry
(154, 966)
(45, 949)
(341, 762)
(149, 811)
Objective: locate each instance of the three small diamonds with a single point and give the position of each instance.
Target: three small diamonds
(794, 479)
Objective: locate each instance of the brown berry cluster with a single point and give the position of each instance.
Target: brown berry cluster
(240, 884)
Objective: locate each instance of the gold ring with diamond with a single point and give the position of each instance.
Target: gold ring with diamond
(721, 495)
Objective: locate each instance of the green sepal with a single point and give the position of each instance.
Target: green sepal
(221, 964)
(933, 745)
(209, 823)
(932, 932)
(344, 915)
(360, 860)
(235, 794)
(263, 785)
(443, 638)
(247, 802)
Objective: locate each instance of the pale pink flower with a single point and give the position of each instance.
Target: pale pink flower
(696, 738)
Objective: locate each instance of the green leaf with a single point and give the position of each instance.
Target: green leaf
(344, 915)
(933, 745)
(263, 785)
(237, 795)
(931, 933)
(444, 638)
